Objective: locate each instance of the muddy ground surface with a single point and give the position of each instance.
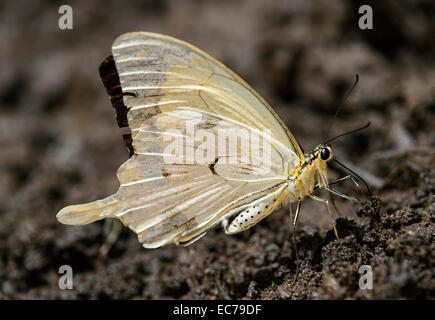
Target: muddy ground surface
(60, 145)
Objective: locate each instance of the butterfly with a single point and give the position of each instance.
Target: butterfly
(163, 89)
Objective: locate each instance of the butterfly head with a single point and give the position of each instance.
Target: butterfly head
(325, 153)
(322, 152)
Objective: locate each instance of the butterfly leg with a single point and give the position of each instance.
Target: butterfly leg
(345, 178)
(338, 193)
(111, 230)
(342, 195)
(334, 205)
(326, 202)
(341, 180)
(293, 222)
(298, 209)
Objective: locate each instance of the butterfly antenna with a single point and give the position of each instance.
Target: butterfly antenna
(341, 106)
(348, 133)
(369, 193)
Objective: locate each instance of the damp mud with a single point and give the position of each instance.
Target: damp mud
(61, 145)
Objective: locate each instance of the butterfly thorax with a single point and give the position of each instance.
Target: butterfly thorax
(310, 172)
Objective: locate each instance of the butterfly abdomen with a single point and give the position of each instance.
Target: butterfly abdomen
(250, 215)
(247, 217)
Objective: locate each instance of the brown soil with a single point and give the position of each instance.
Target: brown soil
(61, 145)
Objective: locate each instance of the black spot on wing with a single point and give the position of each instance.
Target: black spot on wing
(212, 165)
(109, 76)
(165, 173)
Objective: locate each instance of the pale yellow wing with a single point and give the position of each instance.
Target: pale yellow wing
(171, 88)
(167, 73)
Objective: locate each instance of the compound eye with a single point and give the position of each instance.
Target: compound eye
(324, 154)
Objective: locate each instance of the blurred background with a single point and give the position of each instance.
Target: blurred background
(60, 143)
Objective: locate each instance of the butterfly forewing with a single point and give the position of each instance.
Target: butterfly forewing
(167, 73)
